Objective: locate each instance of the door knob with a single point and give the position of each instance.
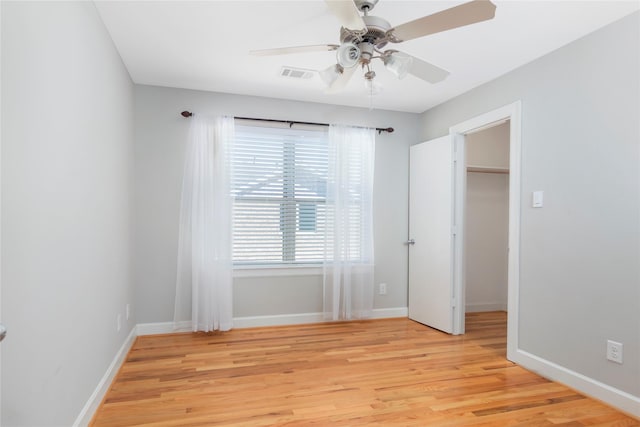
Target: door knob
(410, 242)
(3, 332)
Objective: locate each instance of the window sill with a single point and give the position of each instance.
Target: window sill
(277, 270)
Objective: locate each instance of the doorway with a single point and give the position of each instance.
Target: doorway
(462, 135)
(486, 219)
(437, 211)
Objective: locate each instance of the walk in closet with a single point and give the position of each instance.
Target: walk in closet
(487, 219)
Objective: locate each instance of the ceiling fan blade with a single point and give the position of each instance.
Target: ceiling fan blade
(348, 14)
(341, 82)
(458, 16)
(294, 49)
(427, 72)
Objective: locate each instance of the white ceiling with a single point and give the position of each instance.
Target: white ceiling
(204, 45)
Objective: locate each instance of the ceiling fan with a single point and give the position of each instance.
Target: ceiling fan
(363, 38)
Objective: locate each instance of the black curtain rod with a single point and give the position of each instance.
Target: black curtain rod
(291, 122)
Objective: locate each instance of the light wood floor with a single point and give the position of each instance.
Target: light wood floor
(379, 372)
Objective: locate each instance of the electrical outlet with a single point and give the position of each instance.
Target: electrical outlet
(119, 322)
(383, 289)
(128, 311)
(614, 351)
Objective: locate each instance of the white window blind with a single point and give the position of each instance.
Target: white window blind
(279, 185)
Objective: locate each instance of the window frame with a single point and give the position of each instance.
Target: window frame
(290, 201)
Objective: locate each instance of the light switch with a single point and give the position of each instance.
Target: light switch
(537, 199)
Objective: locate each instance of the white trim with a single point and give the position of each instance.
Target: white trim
(0, 203)
(162, 328)
(488, 119)
(260, 321)
(459, 213)
(277, 271)
(98, 394)
(277, 320)
(621, 400)
(482, 307)
(515, 197)
(512, 112)
(389, 313)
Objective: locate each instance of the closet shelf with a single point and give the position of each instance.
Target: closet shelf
(487, 169)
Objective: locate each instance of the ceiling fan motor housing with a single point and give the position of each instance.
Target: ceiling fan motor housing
(376, 31)
(366, 52)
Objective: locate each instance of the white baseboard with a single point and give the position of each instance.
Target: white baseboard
(482, 307)
(619, 399)
(162, 328)
(387, 313)
(277, 320)
(259, 321)
(98, 394)
(305, 318)
(238, 323)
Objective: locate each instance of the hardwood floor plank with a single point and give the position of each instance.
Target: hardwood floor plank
(380, 372)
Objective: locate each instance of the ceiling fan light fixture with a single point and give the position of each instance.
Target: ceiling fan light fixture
(331, 74)
(398, 63)
(348, 55)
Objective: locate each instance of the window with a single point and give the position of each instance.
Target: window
(279, 188)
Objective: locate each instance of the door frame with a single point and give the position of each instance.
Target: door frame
(513, 113)
(0, 214)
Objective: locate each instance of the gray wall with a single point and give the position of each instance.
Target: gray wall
(160, 135)
(580, 275)
(67, 104)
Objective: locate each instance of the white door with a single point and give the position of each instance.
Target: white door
(431, 204)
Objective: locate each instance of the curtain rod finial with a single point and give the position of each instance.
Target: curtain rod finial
(186, 114)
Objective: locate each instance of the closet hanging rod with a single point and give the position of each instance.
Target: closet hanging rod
(290, 122)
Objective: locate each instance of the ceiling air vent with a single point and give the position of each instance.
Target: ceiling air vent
(296, 73)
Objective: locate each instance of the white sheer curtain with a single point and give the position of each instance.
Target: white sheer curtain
(348, 266)
(204, 279)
